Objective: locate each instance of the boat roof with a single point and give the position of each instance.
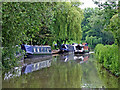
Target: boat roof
(43, 46)
(39, 45)
(77, 44)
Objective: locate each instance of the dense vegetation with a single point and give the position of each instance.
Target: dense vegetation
(108, 56)
(38, 23)
(96, 20)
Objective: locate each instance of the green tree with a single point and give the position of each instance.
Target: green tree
(85, 23)
(37, 23)
(114, 26)
(95, 22)
(24, 22)
(67, 22)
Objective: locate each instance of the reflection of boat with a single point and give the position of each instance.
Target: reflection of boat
(81, 59)
(36, 66)
(17, 71)
(68, 57)
(36, 49)
(76, 58)
(37, 58)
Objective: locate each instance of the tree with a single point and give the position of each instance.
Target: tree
(85, 23)
(98, 20)
(37, 23)
(114, 26)
(67, 22)
(22, 22)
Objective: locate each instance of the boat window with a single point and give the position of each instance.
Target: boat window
(63, 46)
(47, 49)
(41, 49)
(78, 47)
(34, 50)
(38, 49)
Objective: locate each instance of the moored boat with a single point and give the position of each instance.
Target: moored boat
(78, 49)
(66, 48)
(85, 46)
(55, 51)
(29, 49)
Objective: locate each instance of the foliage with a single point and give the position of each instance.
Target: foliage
(96, 20)
(23, 23)
(67, 22)
(85, 23)
(114, 26)
(108, 56)
(38, 23)
(93, 41)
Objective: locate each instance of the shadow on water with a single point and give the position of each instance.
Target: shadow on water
(59, 71)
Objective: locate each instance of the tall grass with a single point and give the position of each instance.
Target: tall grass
(108, 56)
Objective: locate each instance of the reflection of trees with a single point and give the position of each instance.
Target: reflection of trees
(66, 76)
(62, 75)
(108, 79)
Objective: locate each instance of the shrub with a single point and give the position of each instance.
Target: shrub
(108, 56)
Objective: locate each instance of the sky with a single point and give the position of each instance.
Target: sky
(87, 3)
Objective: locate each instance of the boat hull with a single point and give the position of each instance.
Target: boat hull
(79, 52)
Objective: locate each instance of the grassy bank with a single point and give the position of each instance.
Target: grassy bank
(108, 56)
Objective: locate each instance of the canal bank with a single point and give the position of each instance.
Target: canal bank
(64, 71)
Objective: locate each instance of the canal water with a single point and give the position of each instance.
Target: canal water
(59, 71)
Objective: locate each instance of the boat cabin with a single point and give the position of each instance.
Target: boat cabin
(66, 48)
(78, 48)
(29, 49)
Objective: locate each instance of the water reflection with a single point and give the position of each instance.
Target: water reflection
(65, 71)
(29, 66)
(58, 75)
(36, 66)
(77, 58)
(90, 77)
(109, 80)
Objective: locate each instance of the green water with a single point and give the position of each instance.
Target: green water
(61, 71)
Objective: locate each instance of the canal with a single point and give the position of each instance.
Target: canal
(59, 71)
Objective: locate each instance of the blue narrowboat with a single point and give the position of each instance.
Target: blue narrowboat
(66, 48)
(29, 49)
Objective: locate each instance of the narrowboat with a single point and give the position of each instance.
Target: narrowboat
(85, 46)
(78, 49)
(32, 50)
(66, 48)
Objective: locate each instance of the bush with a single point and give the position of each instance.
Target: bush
(108, 56)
